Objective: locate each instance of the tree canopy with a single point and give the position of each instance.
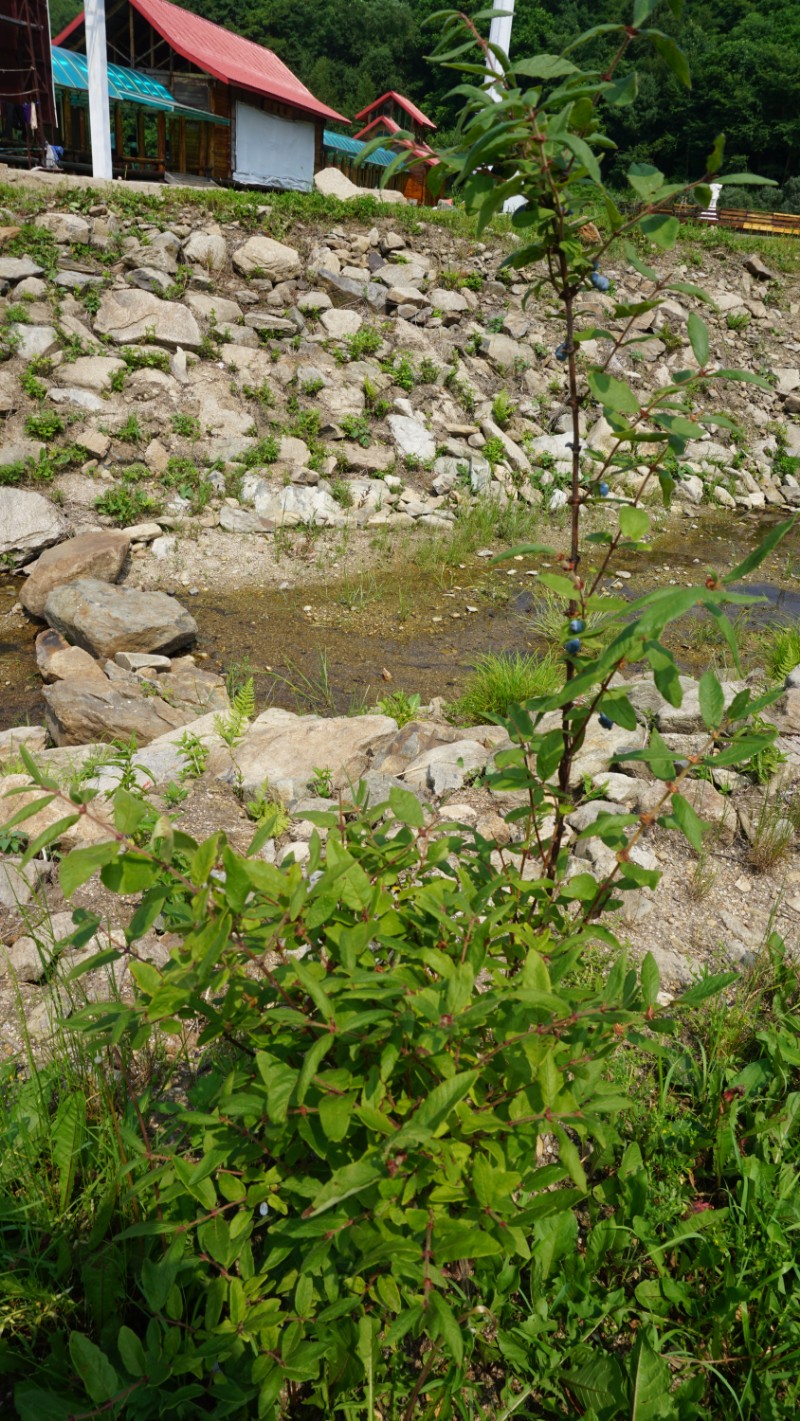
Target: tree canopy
(744, 56)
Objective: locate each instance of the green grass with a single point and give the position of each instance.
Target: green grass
(480, 523)
(499, 681)
(781, 650)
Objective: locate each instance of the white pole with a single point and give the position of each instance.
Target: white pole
(500, 34)
(500, 29)
(99, 111)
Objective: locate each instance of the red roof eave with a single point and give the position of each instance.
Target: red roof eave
(404, 103)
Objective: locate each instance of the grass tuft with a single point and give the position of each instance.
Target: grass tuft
(500, 681)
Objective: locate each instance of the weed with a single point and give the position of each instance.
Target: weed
(232, 726)
(401, 707)
(321, 782)
(125, 505)
(501, 680)
(341, 493)
(130, 432)
(138, 357)
(366, 341)
(268, 811)
(357, 428)
(781, 649)
(35, 389)
(772, 836)
(45, 426)
(262, 393)
(737, 320)
(503, 408)
(187, 425)
(237, 675)
(429, 371)
(265, 451)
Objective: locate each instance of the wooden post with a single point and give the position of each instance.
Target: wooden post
(131, 38)
(67, 119)
(182, 145)
(140, 153)
(202, 157)
(119, 134)
(161, 125)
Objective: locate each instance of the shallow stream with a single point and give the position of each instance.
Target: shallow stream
(338, 645)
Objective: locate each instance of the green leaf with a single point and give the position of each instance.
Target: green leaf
(642, 10)
(214, 1237)
(650, 1380)
(612, 393)
(746, 180)
(446, 1326)
(131, 1352)
(350, 1179)
(581, 150)
(698, 335)
(622, 92)
(544, 66)
(69, 1133)
(93, 1368)
(33, 1404)
(650, 979)
(549, 754)
(759, 554)
(334, 1115)
(688, 821)
(634, 523)
(79, 866)
(672, 55)
(712, 701)
(707, 987)
(645, 180)
(406, 807)
(662, 229)
(436, 1107)
(598, 1384)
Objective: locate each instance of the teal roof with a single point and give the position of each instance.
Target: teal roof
(127, 86)
(340, 143)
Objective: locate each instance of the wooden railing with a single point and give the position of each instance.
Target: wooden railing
(741, 219)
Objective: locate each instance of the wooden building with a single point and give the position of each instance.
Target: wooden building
(396, 117)
(271, 129)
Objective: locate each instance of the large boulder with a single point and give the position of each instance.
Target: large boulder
(104, 619)
(98, 555)
(412, 438)
(273, 259)
(207, 249)
(28, 523)
(131, 315)
(92, 372)
(77, 713)
(284, 750)
(14, 269)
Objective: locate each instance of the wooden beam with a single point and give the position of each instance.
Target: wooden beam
(161, 151)
(182, 145)
(131, 37)
(119, 133)
(140, 143)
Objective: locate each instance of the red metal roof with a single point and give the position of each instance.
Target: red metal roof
(388, 123)
(227, 56)
(411, 109)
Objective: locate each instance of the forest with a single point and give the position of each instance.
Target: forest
(744, 56)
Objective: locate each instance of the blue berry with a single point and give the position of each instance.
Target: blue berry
(577, 625)
(603, 490)
(605, 720)
(600, 283)
(562, 351)
(573, 646)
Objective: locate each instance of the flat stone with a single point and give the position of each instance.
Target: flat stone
(74, 395)
(99, 555)
(58, 661)
(105, 619)
(295, 505)
(312, 301)
(76, 280)
(130, 316)
(65, 226)
(77, 713)
(92, 372)
(757, 268)
(347, 290)
(412, 438)
(143, 532)
(273, 259)
(95, 444)
(34, 341)
(284, 750)
(17, 885)
(341, 322)
(28, 523)
(446, 767)
(33, 737)
(240, 520)
(210, 307)
(148, 278)
(14, 269)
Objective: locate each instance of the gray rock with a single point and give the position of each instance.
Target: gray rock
(99, 555)
(341, 322)
(75, 280)
(130, 316)
(285, 749)
(28, 523)
(294, 505)
(17, 885)
(446, 767)
(33, 341)
(74, 395)
(206, 249)
(92, 372)
(212, 307)
(14, 269)
(412, 438)
(104, 619)
(347, 290)
(273, 259)
(757, 268)
(77, 713)
(148, 278)
(66, 226)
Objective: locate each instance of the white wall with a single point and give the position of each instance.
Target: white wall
(273, 152)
